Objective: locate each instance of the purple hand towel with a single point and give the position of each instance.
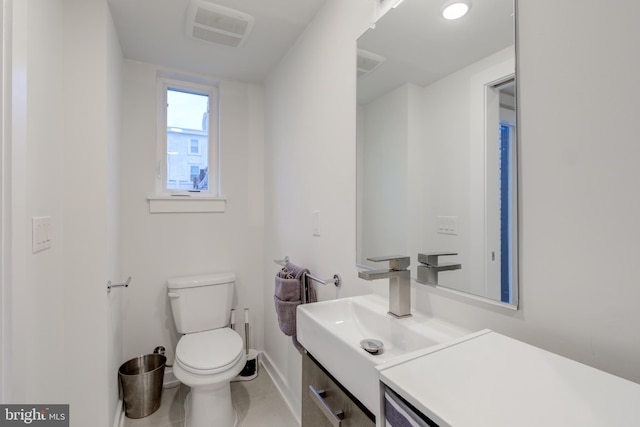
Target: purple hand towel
(293, 288)
(287, 286)
(307, 292)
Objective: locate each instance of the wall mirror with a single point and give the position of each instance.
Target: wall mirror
(437, 143)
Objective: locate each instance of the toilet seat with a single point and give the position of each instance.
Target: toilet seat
(209, 352)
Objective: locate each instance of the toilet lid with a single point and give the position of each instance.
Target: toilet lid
(209, 349)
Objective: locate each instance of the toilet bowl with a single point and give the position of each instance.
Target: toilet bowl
(207, 362)
(209, 354)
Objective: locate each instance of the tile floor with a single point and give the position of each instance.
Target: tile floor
(257, 402)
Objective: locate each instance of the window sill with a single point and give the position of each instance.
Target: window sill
(187, 203)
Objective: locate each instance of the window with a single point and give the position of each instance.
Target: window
(195, 171)
(188, 138)
(194, 148)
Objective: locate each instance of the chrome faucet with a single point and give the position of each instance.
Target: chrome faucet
(430, 266)
(399, 283)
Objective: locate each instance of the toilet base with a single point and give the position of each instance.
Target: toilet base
(209, 406)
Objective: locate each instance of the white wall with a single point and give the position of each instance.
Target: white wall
(578, 167)
(310, 162)
(37, 285)
(385, 128)
(5, 187)
(89, 193)
(113, 93)
(447, 172)
(65, 329)
(156, 247)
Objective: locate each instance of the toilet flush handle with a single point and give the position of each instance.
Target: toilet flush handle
(173, 295)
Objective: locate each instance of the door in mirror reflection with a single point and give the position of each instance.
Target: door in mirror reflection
(501, 188)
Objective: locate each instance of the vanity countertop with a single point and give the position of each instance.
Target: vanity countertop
(491, 380)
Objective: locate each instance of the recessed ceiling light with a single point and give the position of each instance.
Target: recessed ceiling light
(455, 9)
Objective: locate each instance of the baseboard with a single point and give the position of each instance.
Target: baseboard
(118, 420)
(169, 380)
(279, 382)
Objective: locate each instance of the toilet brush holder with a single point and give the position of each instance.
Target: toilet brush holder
(250, 370)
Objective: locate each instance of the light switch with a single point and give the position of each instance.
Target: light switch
(41, 233)
(448, 225)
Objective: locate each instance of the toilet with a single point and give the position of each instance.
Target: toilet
(209, 354)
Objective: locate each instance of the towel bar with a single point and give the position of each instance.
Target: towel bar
(121, 285)
(336, 280)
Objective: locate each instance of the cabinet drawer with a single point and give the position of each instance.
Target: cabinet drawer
(326, 403)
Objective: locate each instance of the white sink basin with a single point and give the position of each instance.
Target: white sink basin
(331, 332)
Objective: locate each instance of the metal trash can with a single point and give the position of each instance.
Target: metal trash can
(141, 384)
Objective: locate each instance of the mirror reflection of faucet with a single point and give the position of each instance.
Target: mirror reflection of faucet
(399, 283)
(430, 267)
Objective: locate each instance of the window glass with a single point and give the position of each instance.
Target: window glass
(195, 171)
(195, 147)
(187, 124)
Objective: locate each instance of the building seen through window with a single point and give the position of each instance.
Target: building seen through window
(187, 140)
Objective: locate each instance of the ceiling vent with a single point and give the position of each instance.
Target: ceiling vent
(217, 24)
(368, 62)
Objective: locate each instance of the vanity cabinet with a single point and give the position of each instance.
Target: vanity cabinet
(490, 380)
(326, 403)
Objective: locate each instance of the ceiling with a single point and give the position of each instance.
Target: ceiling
(421, 47)
(154, 31)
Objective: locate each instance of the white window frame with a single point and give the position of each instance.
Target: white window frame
(169, 200)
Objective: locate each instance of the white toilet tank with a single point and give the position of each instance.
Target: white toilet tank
(201, 303)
